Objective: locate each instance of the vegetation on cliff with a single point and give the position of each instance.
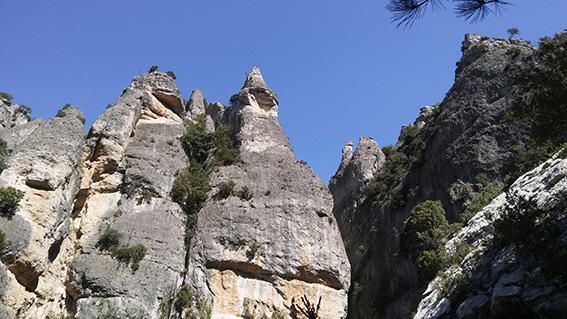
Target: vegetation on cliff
(206, 151)
(543, 107)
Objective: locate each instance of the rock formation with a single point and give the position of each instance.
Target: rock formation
(93, 225)
(97, 233)
(450, 153)
(258, 254)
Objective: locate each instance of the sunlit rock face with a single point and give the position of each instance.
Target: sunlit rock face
(259, 254)
(77, 187)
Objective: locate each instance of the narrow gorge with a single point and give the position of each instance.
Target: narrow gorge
(174, 208)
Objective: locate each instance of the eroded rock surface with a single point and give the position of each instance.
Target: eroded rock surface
(503, 280)
(282, 243)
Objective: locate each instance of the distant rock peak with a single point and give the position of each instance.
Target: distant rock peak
(256, 91)
(255, 80)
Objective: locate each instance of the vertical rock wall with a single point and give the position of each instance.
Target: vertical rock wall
(256, 255)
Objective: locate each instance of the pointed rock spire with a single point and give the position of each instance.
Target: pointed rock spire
(254, 79)
(196, 104)
(256, 86)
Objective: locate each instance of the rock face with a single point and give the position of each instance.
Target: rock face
(502, 280)
(256, 255)
(45, 167)
(97, 233)
(438, 157)
(248, 256)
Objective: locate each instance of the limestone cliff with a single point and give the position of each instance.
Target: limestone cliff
(97, 233)
(256, 255)
(460, 152)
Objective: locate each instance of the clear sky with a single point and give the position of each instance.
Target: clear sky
(340, 68)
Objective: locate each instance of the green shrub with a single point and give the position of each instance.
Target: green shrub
(183, 298)
(430, 262)
(530, 155)
(197, 141)
(387, 150)
(109, 239)
(206, 151)
(6, 96)
(461, 251)
(409, 133)
(190, 187)
(245, 194)
(252, 250)
(3, 154)
(478, 201)
(396, 165)
(131, 255)
(399, 198)
(450, 283)
(194, 306)
(278, 314)
(536, 231)
(544, 105)
(424, 234)
(9, 200)
(226, 152)
(171, 75)
(226, 189)
(3, 242)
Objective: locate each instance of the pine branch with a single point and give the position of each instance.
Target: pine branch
(406, 12)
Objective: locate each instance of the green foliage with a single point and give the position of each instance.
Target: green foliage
(61, 112)
(399, 197)
(131, 255)
(531, 154)
(206, 151)
(9, 200)
(171, 75)
(3, 155)
(478, 201)
(536, 231)
(194, 306)
(409, 133)
(3, 242)
(544, 106)
(512, 32)
(152, 69)
(226, 189)
(183, 298)
(424, 234)
(226, 151)
(252, 250)
(396, 165)
(109, 239)
(278, 314)
(461, 251)
(197, 141)
(430, 262)
(190, 187)
(6, 96)
(245, 194)
(450, 283)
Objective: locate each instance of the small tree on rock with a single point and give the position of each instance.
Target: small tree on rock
(513, 32)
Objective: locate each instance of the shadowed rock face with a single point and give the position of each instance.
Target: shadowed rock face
(282, 243)
(502, 280)
(467, 134)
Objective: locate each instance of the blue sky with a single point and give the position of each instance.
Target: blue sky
(340, 68)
